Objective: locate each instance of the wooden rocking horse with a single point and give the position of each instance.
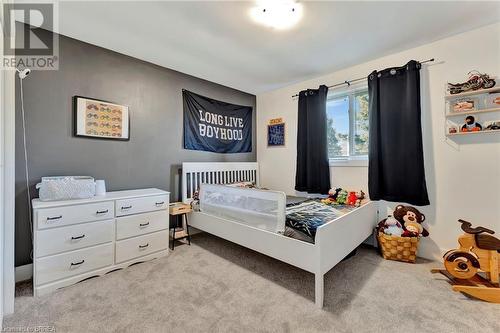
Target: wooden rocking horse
(477, 255)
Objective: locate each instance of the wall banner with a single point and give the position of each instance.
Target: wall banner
(216, 126)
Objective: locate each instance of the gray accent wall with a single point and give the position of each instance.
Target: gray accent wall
(152, 156)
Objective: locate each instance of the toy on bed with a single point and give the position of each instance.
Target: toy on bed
(359, 198)
(351, 198)
(340, 196)
(332, 196)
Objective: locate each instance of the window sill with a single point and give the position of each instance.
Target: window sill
(349, 162)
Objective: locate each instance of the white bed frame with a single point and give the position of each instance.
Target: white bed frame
(334, 240)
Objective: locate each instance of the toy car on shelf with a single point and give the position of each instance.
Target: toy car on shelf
(476, 81)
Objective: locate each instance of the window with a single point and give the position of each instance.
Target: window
(347, 116)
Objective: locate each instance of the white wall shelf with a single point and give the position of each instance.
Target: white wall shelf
(483, 106)
(496, 88)
(472, 133)
(465, 113)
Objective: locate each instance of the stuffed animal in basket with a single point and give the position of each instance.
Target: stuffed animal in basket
(391, 226)
(411, 219)
(412, 229)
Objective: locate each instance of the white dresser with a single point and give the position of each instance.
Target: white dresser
(78, 239)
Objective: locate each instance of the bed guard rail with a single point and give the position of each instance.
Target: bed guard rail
(261, 209)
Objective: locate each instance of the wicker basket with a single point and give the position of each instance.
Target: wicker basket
(398, 248)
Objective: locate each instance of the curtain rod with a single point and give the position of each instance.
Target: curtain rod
(361, 78)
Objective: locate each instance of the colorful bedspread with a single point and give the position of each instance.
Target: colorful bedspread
(307, 216)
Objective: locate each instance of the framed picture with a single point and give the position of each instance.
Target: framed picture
(100, 119)
(276, 133)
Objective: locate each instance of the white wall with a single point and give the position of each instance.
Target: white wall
(463, 180)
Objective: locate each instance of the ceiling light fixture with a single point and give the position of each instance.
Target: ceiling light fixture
(278, 14)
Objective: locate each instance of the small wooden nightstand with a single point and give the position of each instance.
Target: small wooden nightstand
(180, 209)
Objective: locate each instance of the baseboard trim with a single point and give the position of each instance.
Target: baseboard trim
(24, 272)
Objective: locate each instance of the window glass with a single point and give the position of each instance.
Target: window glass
(337, 110)
(361, 124)
(347, 116)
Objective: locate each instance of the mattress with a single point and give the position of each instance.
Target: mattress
(304, 216)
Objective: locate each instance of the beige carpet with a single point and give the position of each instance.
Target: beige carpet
(216, 286)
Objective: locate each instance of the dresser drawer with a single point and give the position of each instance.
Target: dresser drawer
(59, 216)
(140, 224)
(140, 246)
(73, 237)
(141, 205)
(72, 263)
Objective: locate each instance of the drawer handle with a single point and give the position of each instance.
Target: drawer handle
(54, 218)
(144, 246)
(126, 207)
(159, 203)
(77, 263)
(143, 224)
(78, 237)
(102, 211)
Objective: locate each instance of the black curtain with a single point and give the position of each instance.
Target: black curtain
(396, 158)
(313, 170)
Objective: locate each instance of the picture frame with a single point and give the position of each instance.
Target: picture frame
(99, 119)
(276, 133)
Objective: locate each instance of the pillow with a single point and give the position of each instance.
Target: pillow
(242, 184)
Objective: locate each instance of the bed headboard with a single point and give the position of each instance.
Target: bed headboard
(194, 174)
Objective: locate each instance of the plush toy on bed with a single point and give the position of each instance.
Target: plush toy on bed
(351, 198)
(342, 197)
(360, 196)
(332, 196)
(408, 216)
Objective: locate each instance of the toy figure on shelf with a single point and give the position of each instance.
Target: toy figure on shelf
(477, 254)
(492, 125)
(471, 125)
(476, 81)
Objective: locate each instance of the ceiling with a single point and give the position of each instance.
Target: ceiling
(219, 42)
